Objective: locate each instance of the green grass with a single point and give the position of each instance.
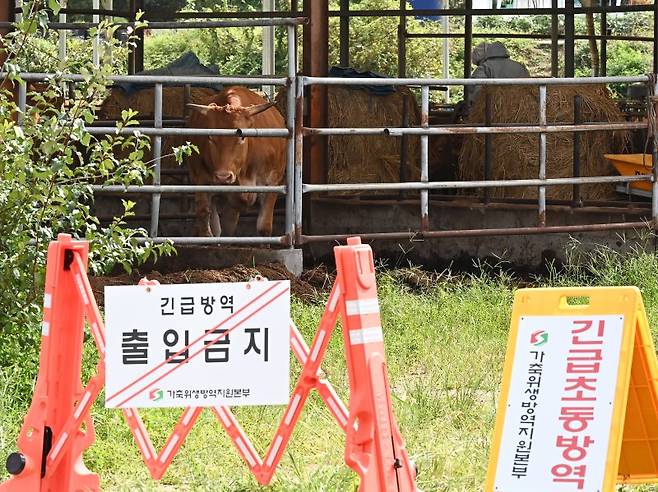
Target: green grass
(445, 346)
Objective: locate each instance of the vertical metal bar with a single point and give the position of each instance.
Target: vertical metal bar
(22, 102)
(139, 43)
(555, 25)
(107, 52)
(268, 60)
(96, 4)
(603, 60)
(655, 37)
(654, 156)
(404, 140)
(445, 27)
(131, 52)
(487, 145)
(577, 119)
(290, 148)
(157, 154)
(542, 156)
(344, 33)
(19, 15)
(187, 98)
(402, 40)
(424, 157)
(569, 39)
(468, 44)
(299, 159)
(62, 33)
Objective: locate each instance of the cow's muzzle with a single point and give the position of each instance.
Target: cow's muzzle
(225, 177)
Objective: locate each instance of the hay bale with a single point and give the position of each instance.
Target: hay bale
(368, 159)
(173, 107)
(516, 156)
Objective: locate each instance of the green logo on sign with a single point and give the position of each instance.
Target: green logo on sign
(156, 394)
(539, 338)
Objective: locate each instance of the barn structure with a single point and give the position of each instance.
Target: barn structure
(490, 183)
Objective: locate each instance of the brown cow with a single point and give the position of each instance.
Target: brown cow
(245, 161)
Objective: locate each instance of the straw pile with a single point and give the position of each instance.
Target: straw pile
(173, 107)
(516, 156)
(368, 159)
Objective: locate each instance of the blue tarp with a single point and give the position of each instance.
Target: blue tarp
(350, 73)
(187, 64)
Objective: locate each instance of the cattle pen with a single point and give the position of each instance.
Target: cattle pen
(422, 216)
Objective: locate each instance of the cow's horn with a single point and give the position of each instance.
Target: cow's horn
(201, 108)
(259, 108)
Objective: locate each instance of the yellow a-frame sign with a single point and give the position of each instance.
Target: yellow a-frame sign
(578, 409)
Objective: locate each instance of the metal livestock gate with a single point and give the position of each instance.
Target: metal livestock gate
(297, 184)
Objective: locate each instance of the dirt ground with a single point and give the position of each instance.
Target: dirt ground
(305, 288)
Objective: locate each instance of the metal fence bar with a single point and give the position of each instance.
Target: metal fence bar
(290, 147)
(95, 57)
(654, 152)
(506, 231)
(541, 195)
(448, 185)
(468, 130)
(461, 11)
(498, 82)
(157, 154)
(63, 25)
(214, 240)
(487, 144)
(424, 157)
(190, 132)
(188, 189)
(159, 79)
(299, 159)
(577, 119)
(22, 102)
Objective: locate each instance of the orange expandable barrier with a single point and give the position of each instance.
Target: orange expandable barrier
(58, 426)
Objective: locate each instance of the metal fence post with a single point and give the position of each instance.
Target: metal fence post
(22, 102)
(157, 154)
(542, 156)
(577, 119)
(487, 145)
(424, 157)
(290, 124)
(96, 41)
(299, 160)
(653, 125)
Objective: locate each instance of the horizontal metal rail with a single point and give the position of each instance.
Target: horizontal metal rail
(214, 240)
(468, 130)
(449, 185)
(498, 82)
(505, 231)
(460, 11)
(188, 189)
(516, 35)
(290, 21)
(156, 79)
(190, 132)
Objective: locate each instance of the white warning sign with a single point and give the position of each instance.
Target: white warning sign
(197, 345)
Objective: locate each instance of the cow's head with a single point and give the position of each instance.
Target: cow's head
(225, 156)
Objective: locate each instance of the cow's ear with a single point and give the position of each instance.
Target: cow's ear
(199, 108)
(258, 108)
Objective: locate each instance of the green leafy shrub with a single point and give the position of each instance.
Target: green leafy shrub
(48, 164)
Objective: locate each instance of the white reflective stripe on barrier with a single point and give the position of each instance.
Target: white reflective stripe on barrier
(45, 329)
(365, 306)
(47, 301)
(366, 335)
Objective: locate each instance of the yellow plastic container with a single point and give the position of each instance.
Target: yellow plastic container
(632, 165)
